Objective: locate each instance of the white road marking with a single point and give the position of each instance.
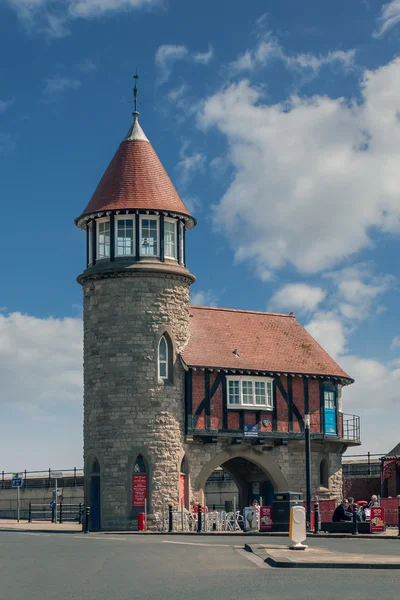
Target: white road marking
(253, 558)
(198, 544)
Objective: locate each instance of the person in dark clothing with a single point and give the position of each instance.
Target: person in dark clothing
(341, 512)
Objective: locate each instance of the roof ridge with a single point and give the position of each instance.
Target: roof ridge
(242, 310)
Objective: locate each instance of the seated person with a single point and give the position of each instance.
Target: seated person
(341, 512)
(373, 501)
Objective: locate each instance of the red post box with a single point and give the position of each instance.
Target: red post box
(140, 522)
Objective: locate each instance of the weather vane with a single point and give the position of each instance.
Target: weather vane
(135, 91)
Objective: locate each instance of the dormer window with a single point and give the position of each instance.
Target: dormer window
(124, 237)
(149, 237)
(103, 238)
(170, 238)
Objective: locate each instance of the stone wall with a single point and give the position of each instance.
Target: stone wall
(8, 499)
(127, 409)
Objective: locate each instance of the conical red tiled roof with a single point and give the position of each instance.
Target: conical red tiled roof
(135, 179)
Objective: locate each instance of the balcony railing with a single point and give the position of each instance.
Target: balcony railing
(351, 428)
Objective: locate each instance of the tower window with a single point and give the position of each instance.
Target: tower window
(149, 237)
(163, 358)
(323, 473)
(90, 243)
(170, 238)
(182, 243)
(103, 239)
(124, 237)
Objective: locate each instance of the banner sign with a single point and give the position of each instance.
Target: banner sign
(265, 518)
(139, 490)
(377, 519)
(251, 430)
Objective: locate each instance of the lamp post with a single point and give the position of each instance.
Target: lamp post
(308, 467)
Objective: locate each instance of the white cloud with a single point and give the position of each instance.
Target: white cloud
(165, 57)
(189, 164)
(297, 296)
(203, 298)
(313, 176)
(395, 342)
(269, 49)
(329, 331)
(204, 57)
(192, 203)
(87, 66)
(40, 363)
(388, 18)
(52, 16)
(56, 85)
(167, 54)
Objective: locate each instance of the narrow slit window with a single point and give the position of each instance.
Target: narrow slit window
(170, 239)
(163, 358)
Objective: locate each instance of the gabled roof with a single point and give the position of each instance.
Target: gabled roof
(264, 342)
(395, 451)
(136, 179)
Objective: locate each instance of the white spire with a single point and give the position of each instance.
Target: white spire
(136, 132)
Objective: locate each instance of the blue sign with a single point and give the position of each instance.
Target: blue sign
(251, 430)
(17, 482)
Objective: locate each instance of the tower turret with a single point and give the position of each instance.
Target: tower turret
(136, 323)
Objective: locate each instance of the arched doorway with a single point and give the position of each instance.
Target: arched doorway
(238, 482)
(95, 495)
(255, 474)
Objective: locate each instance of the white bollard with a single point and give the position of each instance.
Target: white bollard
(297, 531)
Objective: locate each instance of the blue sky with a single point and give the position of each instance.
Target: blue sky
(278, 123)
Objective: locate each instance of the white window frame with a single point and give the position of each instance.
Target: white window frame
(329, 401)
(90, 242)
(173, 221)
(181, 244)
(98, 221)
(166, 376)
(124, 218)
(254, 380)
(149, 218)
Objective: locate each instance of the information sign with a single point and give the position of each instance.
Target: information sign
(377, 519)
(139, 490)
(266, 518)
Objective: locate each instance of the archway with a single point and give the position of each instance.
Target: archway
(255, 474)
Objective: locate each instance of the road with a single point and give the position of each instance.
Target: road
(35, 566)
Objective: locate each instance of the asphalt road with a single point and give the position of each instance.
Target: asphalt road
(37, 566)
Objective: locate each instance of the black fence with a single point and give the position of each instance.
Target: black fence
(46, 512)
(351, 428)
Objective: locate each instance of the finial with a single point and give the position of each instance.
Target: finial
(135, 93)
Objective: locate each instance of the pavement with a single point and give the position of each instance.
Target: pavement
(44, 566)
(322, 558)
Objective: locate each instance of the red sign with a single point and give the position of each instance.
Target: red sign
(377, 520)
(265, 518)
(139, 490)
(182, 487)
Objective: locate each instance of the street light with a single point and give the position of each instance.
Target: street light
(308, 467)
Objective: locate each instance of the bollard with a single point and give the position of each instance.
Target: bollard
(80, 514)
(86, 520)
(316, 517)
(170, 519)
(398, 508)
(355, 523)
(30, 512)
(199, 520)
(61, 514)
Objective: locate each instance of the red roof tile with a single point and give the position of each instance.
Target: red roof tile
(135, 178)
(265, 342)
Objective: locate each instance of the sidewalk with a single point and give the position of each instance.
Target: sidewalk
(40, 526)
(320, 558)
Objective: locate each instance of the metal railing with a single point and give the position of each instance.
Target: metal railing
(43, 479)
(351, 428)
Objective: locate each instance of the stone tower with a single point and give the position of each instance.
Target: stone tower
(136, 322)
